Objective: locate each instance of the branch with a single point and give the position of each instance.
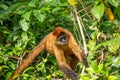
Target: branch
(81, 31)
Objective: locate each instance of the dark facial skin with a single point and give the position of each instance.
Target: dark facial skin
(62, 38)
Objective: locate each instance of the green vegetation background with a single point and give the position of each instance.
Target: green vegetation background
(23, 23)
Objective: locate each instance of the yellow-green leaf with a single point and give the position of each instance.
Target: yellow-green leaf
(72, 2)
(112, 77)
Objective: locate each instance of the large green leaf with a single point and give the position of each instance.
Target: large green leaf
(39, 15)
(98, 10)
(5, 7)
(114, 2)
(27, 15)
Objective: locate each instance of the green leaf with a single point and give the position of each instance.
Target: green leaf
(100, 66)
(53, 60)
(56, 9)
(25, 76)
(98, 10)
(86, 78)
(24, 37)
(8, 74)
(95, 66)
(5, 7)
(106, 43)
(33, 3)
(113, 48)
(5, 15)
(90, 70)
(48, 77)
(24, 24)
(15, 37)
(3, 67)
(91, 44)
(116, 61)
(39, 15)
(29, 68)
(117, 11)
(112, 77)
(1, 59)
(11, 64)
(27, 15)
(114, 2)
(14, 7)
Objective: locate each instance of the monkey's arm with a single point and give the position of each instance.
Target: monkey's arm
(63, 64)
(31, 56)
(79, 53)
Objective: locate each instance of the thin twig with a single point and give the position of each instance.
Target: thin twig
(81, 30)
(82, 34)
(76, 31)
(85, 8)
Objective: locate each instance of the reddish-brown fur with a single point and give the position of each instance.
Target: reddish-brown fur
(62, 52)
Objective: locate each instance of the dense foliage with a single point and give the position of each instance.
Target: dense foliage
(23, 23)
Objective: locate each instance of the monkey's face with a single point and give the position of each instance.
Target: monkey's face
(62, 38)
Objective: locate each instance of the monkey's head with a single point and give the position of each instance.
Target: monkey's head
(62, 37)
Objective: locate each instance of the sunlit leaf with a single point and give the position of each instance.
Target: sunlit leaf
(24, 37)
(91, 44)
(48, 77)
(113, 48)
(100, 66)
(8, 74)
(90, 70)
(31, 4)
(95, 67)
(3, 67)
(112, 77)
(116, 62)
(114, 2)
(24, 24)
(29, 68)
(98, 10)
(72, 2)
(86, 78)
(27, 15)
(3, 6)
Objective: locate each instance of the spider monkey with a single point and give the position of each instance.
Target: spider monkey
(62, 44)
